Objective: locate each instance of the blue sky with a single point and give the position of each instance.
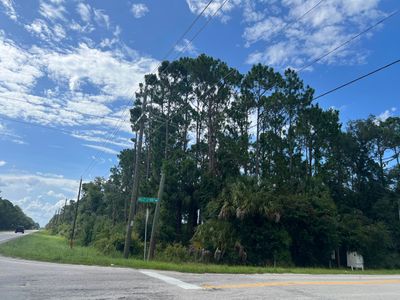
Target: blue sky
(74, 66)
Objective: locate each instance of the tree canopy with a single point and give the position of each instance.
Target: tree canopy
(12, 216)
(256, 172)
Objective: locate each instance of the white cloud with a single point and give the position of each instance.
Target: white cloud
(293, 42)
(385, 115)
(47, 33)
(139, 10)
(53, 10)
(102, 149)
(84, 10)
(113, 74)
(18, 69)
(186, 47)
(7, 134)
(251, 13)
(197, 6)
(2, 163)
(9, 9)
(262, 30)
(101, 18)
(101, 136)
(289, 40)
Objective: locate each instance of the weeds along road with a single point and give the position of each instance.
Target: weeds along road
(22, 279)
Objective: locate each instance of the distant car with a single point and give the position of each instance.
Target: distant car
(20, 229)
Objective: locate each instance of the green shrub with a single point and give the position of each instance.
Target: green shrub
(115, 243)
(175, 253)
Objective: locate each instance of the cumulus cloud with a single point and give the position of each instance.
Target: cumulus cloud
(139, 10)
(2, 163)
(87, 85)
(112, 73)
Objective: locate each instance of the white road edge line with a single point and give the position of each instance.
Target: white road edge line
(171, 280)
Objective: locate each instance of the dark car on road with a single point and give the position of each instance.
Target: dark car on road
(20, 229)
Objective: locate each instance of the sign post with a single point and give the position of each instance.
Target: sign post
(145, 233)
(146, 200)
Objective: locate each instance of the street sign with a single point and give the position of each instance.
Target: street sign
(148, 200)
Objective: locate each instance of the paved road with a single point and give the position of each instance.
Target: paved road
(9, 235)
(22, 279)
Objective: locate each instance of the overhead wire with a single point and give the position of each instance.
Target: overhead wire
(348, 41)
(351, 81)
(357, 79)
(287, 25)
(183, 50)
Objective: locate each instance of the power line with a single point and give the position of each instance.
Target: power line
(350, 82)
(357, 79)
(348, 41)
(280, 29)
(117, 128)
(186, 31)
(287, 25)
(202, 28)
(233, 70)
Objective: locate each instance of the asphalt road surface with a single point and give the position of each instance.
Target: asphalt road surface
(22, 279)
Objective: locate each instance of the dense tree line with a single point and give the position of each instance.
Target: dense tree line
(12, 216)
(256, 172)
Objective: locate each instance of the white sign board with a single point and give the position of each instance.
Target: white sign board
(355, 260)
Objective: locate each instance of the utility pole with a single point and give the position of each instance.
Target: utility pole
(154, 228)
(135, 189)
(57, 216)
(71, 242)
(152, 246)
(65, 207)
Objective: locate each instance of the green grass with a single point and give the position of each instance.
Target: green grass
(44, 247)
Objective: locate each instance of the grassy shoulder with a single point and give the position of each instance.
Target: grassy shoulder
(44, 247)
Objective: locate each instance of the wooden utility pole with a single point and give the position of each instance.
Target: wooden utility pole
(71, 242)
(55, 218)
(153, 237)
(154, 228)
(135, 189)
(65, 207)
(58, 211)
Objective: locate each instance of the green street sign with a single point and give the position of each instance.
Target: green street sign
(148, 200)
